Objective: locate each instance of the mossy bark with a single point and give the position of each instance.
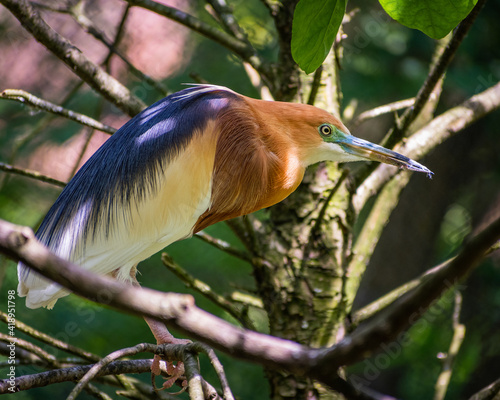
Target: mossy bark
(302, 280)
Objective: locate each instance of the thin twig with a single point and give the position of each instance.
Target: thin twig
(98, 367)
(28, 346)
(40, 125)
(75, 373)
(315, 84)
(118, 35)
(78, 13)
(219, 369)
(56, 343)
(320, 219)
(23, 357)
(490, 392)
(205, 289)
(240, 229)
(195, 387)
(31, 174)
(226, 16)
(28, 98)
(223, 246)
(98, 394)
(198, 78)
(378, 305)
(247, 299)
(458, 336)
(437, 71)
(381, 110)
(271, 5)
(442, 127)
(89, 133)
(241, 48)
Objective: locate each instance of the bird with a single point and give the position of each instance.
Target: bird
(197, 157)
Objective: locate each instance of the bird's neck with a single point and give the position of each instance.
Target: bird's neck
(252, 169)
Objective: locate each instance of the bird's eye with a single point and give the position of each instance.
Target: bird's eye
(325, 130)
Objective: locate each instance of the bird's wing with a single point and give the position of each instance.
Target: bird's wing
(137, 233)
(143, 189)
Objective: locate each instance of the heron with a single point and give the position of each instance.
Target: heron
(197, 157)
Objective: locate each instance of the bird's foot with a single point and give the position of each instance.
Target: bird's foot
(175, 372)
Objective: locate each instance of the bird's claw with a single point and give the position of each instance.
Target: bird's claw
(175, 372)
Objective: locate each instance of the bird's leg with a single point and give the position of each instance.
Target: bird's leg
(162, 336)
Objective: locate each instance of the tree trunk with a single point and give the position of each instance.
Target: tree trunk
(302, 280)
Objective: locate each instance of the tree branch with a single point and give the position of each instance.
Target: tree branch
(41, 124)
(48, 358)
(219, 370)
(179, 311)
(31, 174)
(118, 36)
(70, 374)
(490, 392)
(241, 48)
(223, 246)
(376, 306)
(430, 136)
(409, 308)
(89, 72)
(437, 71)
(41, 104)
(449, 358)
(58, 344)
(77, 11)
(226, 16)
(381, 110)
(206, 290)
(315, 84)
(95, 370)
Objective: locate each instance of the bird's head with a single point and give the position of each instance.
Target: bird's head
(320, 136)
(338, 144)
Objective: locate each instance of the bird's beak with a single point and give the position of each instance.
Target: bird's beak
(364, 149)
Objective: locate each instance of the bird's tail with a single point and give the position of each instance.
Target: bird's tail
(39, 291)
(61, 237)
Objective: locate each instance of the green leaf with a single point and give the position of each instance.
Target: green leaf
(435, 18)
(315, 25)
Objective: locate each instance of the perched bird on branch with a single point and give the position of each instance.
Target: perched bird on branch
(202, 155)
